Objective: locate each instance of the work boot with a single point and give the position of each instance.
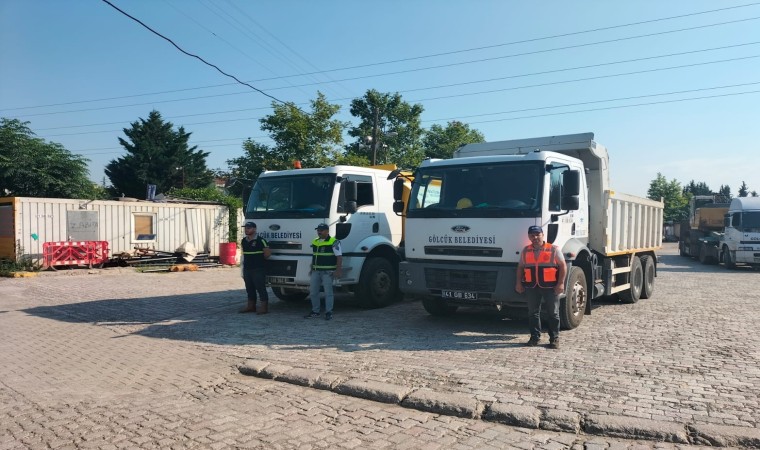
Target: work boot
(263, 308)
(554, 344)
(532, 342)
(250, 307)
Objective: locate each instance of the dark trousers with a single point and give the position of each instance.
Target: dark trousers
(255, 282)
(535, 296)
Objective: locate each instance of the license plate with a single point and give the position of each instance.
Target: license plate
(459, 295)
(278, 280)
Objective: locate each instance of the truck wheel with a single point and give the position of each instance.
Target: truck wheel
(573, 306)
(647, 288)
(289, 295)
(704, 256)
(378, 284)
(636, 278)
(438, 307)
(730, 263)
(682, 249)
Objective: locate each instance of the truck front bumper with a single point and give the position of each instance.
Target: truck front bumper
(458, 284)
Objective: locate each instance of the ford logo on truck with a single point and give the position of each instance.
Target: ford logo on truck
(274, 227)
(460, 228)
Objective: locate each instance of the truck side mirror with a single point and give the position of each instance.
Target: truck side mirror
(350, 191)
(398, 189)
(351, 195)
(571, 183)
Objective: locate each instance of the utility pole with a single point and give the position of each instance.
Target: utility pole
(374, 136)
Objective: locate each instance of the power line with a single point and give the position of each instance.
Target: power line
(491, 91)
(620, 107)
(421, 57)
(597, 101)
(575, 33)
(553, 114)
(190, 54)
(638, 72)
(503, 112)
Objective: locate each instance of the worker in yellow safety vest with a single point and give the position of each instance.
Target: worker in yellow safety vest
(326, 267)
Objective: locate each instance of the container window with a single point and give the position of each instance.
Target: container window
(144, 227)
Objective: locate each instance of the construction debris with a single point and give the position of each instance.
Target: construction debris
(151, 260)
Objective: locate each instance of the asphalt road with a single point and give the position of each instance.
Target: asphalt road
(115, 359)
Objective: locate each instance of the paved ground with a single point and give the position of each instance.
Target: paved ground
(118, 359)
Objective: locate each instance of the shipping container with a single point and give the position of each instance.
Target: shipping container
(27, 223)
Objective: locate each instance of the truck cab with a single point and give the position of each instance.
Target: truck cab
(740, 243)
(357, 204)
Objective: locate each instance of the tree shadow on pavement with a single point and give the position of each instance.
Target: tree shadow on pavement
(213, 318)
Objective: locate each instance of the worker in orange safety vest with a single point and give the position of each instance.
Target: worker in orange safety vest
(541, 276)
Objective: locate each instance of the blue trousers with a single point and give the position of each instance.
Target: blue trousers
(535, 296)
(255, 283)
(324, 279)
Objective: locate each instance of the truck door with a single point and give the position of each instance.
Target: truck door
(574, 224)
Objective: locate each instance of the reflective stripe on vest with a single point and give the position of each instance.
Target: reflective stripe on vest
(539, 271)
(323, 258)
(253, 252)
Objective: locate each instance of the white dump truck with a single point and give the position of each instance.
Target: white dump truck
(740, 243)
(467, 222)
(357, 204)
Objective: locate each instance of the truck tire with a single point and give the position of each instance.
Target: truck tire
(636, 278)
(727, 259)
(438, 307)
(573, 306)
(682, 249)
(704, 257)
(647, 288)
(378, 283)
(289, 295)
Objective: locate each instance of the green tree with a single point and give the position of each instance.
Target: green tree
(725, 190)
(244, 170)
(312, 138)
(156, 154)
(32, 167)
(442, 142)
(700, 188)
(676, 204)
(743, 190)
(389, 130)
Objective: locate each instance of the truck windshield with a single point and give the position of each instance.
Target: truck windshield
(291, 196)
(494, 190)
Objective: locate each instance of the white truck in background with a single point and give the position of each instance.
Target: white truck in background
(356, 202)
(467, 221)
(740, 243)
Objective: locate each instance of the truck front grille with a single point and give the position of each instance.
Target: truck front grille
(282, 268)
(284, 245)
(483, 252)
(461, 280)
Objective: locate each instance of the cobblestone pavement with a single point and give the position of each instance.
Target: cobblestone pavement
(117, 359)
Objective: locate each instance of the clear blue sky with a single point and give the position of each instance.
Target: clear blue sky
(80, 72)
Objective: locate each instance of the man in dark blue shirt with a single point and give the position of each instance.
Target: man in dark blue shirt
(253, 267)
